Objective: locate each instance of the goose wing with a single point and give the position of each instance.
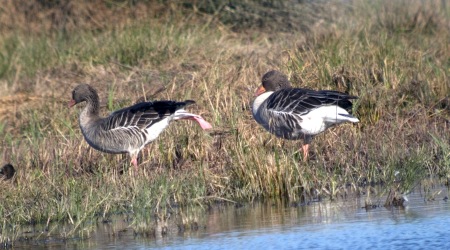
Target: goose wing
(298, 101)
(142, 115)
(285, 108)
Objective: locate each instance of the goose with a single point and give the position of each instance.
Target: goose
(7, 171)
(298, 113)
(129, 129)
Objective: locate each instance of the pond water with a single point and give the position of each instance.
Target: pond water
(421, 224)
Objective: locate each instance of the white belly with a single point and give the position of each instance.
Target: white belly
(318, 120)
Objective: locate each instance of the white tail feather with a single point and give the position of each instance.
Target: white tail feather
(348, 117)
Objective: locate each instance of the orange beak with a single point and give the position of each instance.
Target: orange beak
(71, 103)
(260, 90)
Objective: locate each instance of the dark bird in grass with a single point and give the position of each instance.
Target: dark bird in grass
(7, 172)
(129, 129)
(298, 113)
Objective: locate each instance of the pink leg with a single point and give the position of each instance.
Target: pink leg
(305, 148)
(134, 162)
(204, 124)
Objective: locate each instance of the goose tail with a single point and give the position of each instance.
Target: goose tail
(348, 118)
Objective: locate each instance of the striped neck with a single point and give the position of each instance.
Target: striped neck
(92, 105)
(90, 112)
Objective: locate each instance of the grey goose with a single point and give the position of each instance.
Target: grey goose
(298, 113)
(129, 129)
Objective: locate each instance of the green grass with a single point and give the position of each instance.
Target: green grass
(395, 59)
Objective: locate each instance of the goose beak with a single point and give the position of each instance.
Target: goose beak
(260, 90)
(71, 103)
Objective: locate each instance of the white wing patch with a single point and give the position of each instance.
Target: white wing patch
(156, 128)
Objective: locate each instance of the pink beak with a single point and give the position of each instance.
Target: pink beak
(71, 103)
(260, 90)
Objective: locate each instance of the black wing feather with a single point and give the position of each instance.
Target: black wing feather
(142, 115)
(301, 101)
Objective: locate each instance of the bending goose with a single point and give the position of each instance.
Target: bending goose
(296, 113)
(129, 129)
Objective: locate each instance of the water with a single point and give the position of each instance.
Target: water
(421, 224)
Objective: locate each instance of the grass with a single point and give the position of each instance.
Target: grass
(395, 58)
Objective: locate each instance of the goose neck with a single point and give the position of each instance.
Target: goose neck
(90, 113)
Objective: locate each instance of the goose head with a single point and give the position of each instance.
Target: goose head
(273, 81)
(83, 92)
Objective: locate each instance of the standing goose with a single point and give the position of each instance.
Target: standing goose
(296, 113)
(129, 129)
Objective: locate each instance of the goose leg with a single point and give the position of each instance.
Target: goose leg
(305, 149)
(204, 124)
(134, 162)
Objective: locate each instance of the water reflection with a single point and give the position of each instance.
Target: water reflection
(275, 225)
